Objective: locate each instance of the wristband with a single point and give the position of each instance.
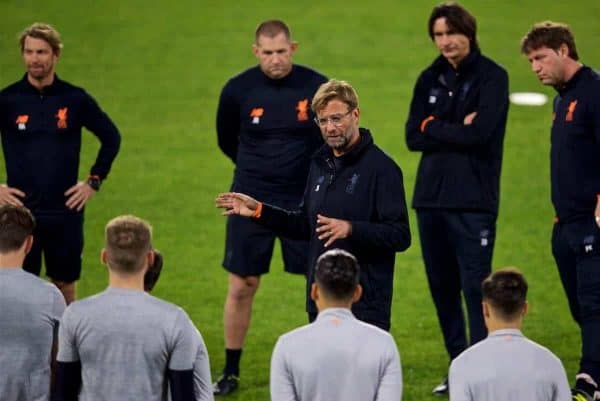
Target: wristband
(258, 211)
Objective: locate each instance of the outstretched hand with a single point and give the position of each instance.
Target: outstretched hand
(236, 203)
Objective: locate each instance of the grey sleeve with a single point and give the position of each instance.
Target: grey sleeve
(183, 343)
(67, 349)
(562, 390)
(202, 380)
(282, 382)
(390, 383)
(457, 381)
(58, 304)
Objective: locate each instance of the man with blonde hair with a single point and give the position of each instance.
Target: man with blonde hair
(30, 311)
(354, 200)
(41, 118)
(124, 343)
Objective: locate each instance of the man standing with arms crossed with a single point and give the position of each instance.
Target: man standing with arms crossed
(575, 184)
(457, 121)
(41, 117)
(264, 125)
(30, 309)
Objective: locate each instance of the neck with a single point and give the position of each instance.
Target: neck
(571, 69)
(324, 304)
(494, 325)
(39, 84)
(133, 281)
(11, 260)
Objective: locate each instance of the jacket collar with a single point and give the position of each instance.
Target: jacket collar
(571, 83)
(440, 64)
(56, 82)
(366, 140)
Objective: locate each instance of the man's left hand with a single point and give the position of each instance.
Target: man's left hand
(332, 229)
(79, 194)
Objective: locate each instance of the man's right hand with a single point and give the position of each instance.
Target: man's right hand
(9, 195)
(236, 203)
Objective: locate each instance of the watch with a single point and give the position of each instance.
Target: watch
(94, 181)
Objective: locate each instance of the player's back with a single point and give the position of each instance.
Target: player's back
(30, 309)
(126, 340)
(336, 358)
(508, 366)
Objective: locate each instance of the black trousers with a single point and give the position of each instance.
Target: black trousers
(457, 249)
(576, 250)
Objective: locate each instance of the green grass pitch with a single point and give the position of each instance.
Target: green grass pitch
(157, 68)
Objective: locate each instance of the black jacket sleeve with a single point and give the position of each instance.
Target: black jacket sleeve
(491, 113)
(415, 140)
(67, 381)
(389, 229)
(228, 123)
(98, 122)
(289, 223)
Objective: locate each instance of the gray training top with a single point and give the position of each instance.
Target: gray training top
(509, 367)
(30, 309)
(126, 340)
(337, 357)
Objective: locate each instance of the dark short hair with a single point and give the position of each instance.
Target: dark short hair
(16, 224)
(336, 274)
(272, 28)
(153, 273)
(506, 291)
(458, 19)
(551, 35)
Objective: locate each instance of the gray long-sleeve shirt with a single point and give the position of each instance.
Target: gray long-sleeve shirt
(336, 358)
(509, 367)
(30, 309)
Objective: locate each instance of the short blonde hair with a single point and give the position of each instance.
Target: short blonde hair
(128, 241)
(46, 32)
(334, 89)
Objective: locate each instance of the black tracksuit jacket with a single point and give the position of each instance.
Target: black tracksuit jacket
(41, 140)
(460, 164)
(367, 189)
(575, 146)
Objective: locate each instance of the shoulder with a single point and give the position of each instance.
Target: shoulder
(11, 89)
(247, 77)
(382, 161)
(489, 66)
(305, 72)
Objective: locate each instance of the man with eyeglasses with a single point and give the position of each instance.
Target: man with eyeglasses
(457, 121)
(264, 126)
(354, 200)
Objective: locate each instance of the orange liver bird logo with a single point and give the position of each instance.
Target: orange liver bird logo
(302, 108)
(571, 110)
(62, 117)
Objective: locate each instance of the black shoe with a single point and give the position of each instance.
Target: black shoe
(580, 395)
(442, 388)
(226, 384)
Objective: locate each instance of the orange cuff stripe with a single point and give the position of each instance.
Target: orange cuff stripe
(425, 122)
(258, 211)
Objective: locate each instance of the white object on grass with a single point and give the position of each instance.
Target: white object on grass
(528, 98)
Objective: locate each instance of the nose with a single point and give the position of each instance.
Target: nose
(535, 66)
